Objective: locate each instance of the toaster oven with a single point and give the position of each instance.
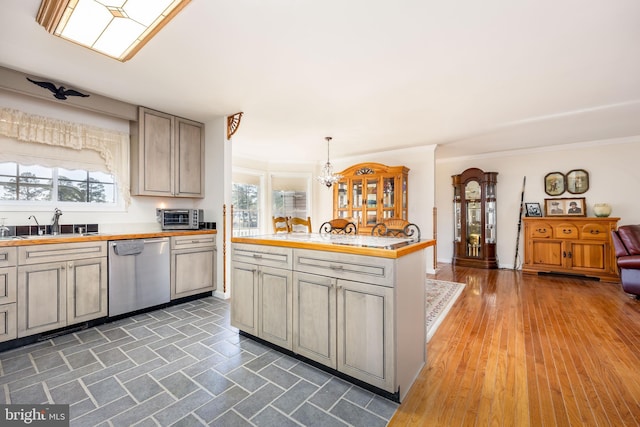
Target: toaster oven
(180, 219)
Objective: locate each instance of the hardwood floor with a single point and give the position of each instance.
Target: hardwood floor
(527, 350)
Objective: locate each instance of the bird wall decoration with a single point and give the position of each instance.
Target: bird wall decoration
(58, 92)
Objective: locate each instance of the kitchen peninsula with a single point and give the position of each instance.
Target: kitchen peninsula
(352, 304)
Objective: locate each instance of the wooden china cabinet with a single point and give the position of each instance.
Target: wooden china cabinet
(370, 192)
(474, 207)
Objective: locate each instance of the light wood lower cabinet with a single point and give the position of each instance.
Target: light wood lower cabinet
(345, 325)
(8, 293)
(579, 246)
(339, 310)
(70, 289)
(192, 265)
(261, 297)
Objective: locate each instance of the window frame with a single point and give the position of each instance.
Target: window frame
(47, 205)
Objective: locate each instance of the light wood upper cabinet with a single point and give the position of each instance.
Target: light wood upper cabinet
(167, 155)
(371, 192)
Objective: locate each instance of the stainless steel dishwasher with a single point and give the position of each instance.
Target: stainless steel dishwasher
(138, 274)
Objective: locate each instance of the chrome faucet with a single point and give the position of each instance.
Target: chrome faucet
(40, 230)
(4, 230)
(55, 226)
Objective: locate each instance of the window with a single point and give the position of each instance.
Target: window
(289, 194)
(246, 209)
(34, 183)
(289, 203)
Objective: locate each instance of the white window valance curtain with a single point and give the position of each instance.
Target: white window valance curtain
(40, 135)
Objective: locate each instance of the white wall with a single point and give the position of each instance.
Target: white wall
(614, 177)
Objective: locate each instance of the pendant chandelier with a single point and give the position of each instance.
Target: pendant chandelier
(327, 177)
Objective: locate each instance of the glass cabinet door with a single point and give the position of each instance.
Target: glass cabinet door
(490, 212)
(404, 197)
(343, 195)
(473, 195)
(372, 202)
(388, 197)
(457, 220)
(356, 201)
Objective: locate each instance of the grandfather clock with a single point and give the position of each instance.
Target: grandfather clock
(474, 210)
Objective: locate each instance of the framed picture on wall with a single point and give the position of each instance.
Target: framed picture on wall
(554, 183)
(577, 181)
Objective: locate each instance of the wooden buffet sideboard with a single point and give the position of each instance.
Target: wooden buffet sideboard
(579, 246)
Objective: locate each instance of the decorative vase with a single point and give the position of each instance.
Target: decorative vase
(602, 210)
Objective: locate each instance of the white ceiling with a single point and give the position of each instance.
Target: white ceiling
(471, 76)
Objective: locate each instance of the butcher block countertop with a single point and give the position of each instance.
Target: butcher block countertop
(384, 247)
(92, 237)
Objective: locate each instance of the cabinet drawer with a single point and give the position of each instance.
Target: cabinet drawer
(193, 241)
(565, 231)
(8, 257)
(540, 230)
(593, 231)
(272, 256)
(359, 268)
(61, 252)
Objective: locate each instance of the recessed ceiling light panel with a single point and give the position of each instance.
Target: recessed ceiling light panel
(117, 28)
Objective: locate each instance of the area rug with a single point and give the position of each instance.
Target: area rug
(440, 296)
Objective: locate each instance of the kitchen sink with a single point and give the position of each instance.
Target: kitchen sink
(54, 236)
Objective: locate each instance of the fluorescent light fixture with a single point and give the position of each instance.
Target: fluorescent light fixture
(116, 28)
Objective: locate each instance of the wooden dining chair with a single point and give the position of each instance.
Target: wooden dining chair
(280, 224)
(396, 227)
(339, 226)
(300, 225)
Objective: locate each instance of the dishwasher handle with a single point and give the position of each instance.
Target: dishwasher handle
(128, 247)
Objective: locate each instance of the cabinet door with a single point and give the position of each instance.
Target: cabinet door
(189, 160)
(275, 307)
(156, 169)
(42, 296)
(8, 284)
(8, 328)
(547, 253)
(192, 272)
(86, 289)
(590, 256)
(365, 333)
(244, 297)
(314, 318)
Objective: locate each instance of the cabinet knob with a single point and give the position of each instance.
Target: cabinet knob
(594, 231)
(566, 231)
(564, 254)
(336, 267)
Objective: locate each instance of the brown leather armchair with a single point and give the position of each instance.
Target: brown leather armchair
(626, 241)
